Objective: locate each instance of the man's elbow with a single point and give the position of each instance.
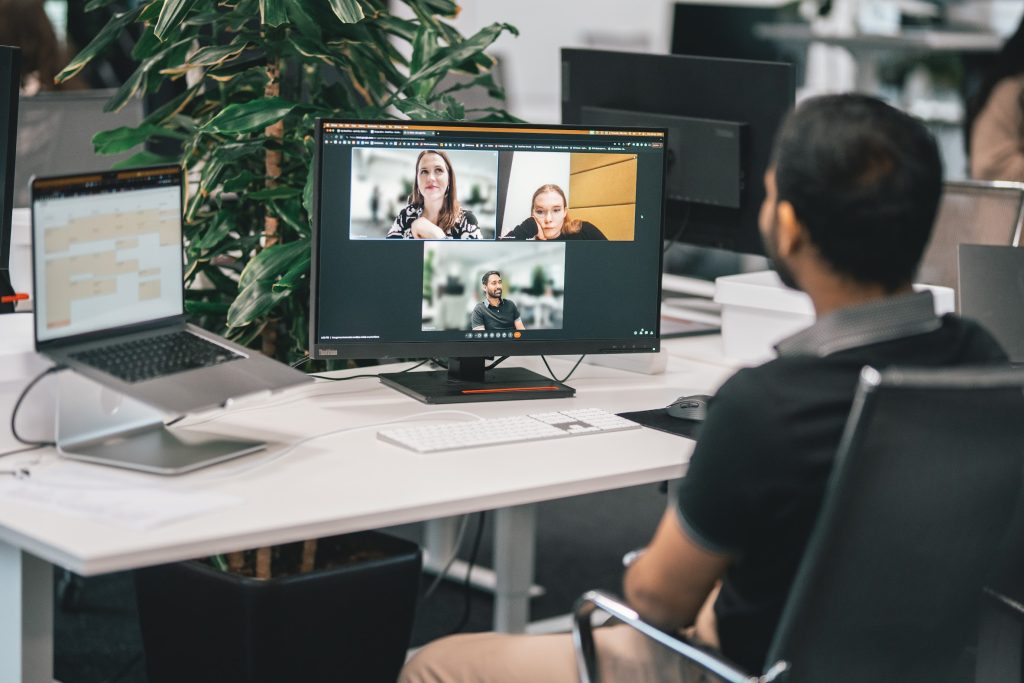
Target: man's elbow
(652, 606)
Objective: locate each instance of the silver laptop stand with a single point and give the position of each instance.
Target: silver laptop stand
(102, 426)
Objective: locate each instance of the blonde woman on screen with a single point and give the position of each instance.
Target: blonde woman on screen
(549, 219)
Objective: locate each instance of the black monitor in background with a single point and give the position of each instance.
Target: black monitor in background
(375, 297)
(721, 116)
(10, 85)
(718, 30)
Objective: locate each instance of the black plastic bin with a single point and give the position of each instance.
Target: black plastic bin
(345, 623)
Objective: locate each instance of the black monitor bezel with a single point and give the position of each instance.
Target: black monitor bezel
(677, 85)
(7, 207)
(454, 348)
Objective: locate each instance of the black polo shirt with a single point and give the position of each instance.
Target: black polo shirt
(757, 477)
(500, 317)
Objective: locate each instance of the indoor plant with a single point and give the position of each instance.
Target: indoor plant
(252, 75)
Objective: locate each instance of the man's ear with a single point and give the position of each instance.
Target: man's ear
(791, 235)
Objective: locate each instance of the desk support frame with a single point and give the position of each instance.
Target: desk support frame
(26, 617)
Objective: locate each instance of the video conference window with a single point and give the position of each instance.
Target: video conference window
(423, 193)
(495, 290)
(574, 196)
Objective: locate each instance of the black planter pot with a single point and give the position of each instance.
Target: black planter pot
(344, 623)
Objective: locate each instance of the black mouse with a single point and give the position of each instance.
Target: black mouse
(689, 407)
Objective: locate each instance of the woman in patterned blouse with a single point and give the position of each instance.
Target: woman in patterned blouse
(433, 212)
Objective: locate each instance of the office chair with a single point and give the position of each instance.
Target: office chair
(971, 212)
(923, 490)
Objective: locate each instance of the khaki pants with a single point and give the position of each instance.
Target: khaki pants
(623, 656)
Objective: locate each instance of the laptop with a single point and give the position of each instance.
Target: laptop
(992, 293)
(109, 296)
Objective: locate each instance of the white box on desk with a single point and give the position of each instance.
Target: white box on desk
(758, 311)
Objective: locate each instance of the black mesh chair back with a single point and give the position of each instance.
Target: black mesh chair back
(923, 490)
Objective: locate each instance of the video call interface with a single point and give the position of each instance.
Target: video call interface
(437, 232)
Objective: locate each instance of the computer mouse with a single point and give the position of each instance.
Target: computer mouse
(689, 407)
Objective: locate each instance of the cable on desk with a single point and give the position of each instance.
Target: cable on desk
(17, 406)
(441, 575)
(466, 585)
(678, 232)
(570, 372)
(302, 361)
(344, 379)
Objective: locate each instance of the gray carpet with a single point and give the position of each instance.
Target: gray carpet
(580, 544)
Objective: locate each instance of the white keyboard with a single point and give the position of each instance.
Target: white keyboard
(448, 436)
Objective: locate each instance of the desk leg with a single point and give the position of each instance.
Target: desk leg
(514, 543)
(26, 617)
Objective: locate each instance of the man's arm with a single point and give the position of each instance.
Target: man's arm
(519, 324)
(668, 583)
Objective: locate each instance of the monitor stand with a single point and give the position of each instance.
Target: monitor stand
(6, 290)
(466, 381)
(102, 426)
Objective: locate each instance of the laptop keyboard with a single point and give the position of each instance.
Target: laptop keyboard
(165, 354)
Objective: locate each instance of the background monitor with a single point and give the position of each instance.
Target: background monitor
(721, 116)
(374, 297)
(10, 85)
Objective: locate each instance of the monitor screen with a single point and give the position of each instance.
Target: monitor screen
(721, 116)
(10, 84)
(471, 240)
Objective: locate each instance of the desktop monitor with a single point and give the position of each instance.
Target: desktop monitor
(721, 116)
(436, 296)
(10, 85)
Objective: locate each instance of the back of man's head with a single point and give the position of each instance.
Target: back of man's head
(864, 179)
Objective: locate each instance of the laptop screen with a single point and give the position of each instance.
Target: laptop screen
(107, 250)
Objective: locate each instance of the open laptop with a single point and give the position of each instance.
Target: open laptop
(108, 267)
(992, 293)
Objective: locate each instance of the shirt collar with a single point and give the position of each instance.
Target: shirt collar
(883, 320)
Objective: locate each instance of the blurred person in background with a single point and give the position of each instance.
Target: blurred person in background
(24, 24)
(994, 124)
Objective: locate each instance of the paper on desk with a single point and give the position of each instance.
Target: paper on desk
(135, 508)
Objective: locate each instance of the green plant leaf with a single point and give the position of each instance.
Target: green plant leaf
(296, 274)
(282, 192)
(272, 261)
(97, 4)
(211, 55)
(145, 159)
(218, 230)
(290, 211)
(249, 116)
(106, 36)
(124, 138)
(171, 15)
(254, 301)
(348, 11)
(450, 57)
(272, 12)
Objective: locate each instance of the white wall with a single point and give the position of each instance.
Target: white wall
(531, 64)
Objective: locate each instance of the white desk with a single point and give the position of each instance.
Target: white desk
(346, 482)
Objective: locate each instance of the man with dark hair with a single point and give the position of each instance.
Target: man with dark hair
(495, 313)
(851, 196)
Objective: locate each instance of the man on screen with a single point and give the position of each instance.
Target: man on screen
(495, 313)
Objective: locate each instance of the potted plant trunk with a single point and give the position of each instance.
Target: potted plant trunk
(247, 79)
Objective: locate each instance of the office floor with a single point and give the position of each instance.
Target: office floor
(580, 542)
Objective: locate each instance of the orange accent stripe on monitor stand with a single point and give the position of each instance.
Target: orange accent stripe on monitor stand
(503, 390)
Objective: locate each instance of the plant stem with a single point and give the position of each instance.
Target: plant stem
(308, 556)
(263, 563)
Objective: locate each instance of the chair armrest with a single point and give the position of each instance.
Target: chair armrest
(586, 657)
